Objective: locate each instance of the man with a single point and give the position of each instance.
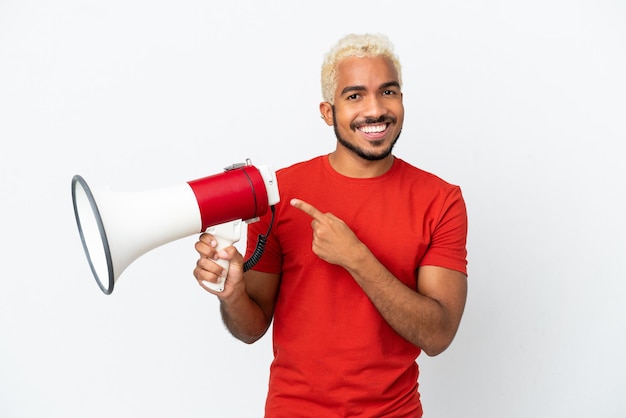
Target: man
(365, 266)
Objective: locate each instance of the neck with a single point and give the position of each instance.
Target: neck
(351, 165)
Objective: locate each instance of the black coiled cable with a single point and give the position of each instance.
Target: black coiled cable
(260, 246)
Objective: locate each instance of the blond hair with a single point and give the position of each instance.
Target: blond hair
(353, 45)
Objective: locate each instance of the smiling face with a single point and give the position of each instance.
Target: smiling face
(368, 112)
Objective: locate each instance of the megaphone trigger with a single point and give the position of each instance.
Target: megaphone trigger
(225, 234)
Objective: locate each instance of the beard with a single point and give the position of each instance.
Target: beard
(367, 155)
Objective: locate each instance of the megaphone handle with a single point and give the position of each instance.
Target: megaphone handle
(225, 234)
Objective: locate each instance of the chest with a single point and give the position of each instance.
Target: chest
(395, 223)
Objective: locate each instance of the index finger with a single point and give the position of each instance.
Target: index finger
(307, 208)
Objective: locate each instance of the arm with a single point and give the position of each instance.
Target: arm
(428, 318)
(248, 299)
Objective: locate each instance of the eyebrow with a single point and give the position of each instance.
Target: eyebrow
(388, 84)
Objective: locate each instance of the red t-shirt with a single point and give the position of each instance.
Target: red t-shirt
(334, 354)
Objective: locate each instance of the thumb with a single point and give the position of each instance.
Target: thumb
(231, 254)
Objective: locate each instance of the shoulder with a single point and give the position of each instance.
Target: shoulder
(299, 167)
(424, 179)
(300, 174)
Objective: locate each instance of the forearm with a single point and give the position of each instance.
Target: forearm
(422, 320)
(243, 317)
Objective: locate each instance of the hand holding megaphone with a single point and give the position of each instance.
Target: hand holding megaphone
(225, 234)
(116, 228)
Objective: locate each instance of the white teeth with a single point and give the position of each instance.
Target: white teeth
(372, 129)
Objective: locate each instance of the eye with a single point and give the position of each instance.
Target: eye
(353, 96)
(389, 93)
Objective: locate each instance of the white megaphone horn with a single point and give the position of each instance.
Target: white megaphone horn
(116, 228)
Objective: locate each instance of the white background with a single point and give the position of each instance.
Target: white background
(522, 103)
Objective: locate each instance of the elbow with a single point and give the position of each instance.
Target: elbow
(438, 340)
(434, 350)
(247, 337)
(249, 341)
(437, 345)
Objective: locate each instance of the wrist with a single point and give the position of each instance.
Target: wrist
(233, 292)
(360, 259)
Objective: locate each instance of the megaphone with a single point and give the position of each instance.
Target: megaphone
(116, 228)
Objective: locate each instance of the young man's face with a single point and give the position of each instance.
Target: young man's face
(368, 112)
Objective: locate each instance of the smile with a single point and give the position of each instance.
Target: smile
(373, 129)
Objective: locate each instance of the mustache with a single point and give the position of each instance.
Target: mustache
(372, 121)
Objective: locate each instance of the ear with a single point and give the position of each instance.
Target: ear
(326, 109)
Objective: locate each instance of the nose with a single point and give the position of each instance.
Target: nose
(374, 107)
